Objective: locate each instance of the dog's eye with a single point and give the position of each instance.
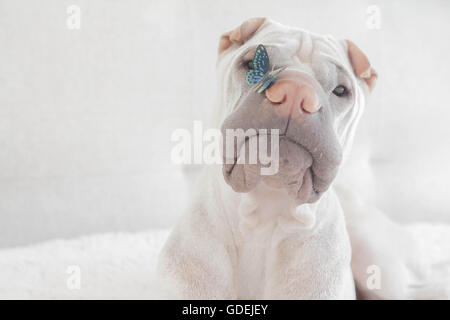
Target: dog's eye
(249, 64)
(340, 91)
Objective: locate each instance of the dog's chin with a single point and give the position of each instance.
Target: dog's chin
(295, 174)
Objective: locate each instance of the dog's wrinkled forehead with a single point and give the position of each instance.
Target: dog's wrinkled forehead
(294, 43)
(287, 45)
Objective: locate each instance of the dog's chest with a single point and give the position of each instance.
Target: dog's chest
(258, 235)
(253, 253)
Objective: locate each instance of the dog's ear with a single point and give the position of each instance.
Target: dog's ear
(241, 33)
(361, 65)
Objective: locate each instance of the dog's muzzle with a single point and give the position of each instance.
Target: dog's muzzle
(308, 153)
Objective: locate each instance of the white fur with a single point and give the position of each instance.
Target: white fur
(249, 246)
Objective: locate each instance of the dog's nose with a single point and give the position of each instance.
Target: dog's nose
(294, 93)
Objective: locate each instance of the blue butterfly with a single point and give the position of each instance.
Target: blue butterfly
(260, 76)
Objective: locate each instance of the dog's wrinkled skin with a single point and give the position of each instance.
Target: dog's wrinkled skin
(248, 236)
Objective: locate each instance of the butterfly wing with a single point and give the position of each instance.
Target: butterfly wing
(261, 60)
(253, 77)
(261, 66)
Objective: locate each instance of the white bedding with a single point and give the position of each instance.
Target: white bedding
(112, 266)
(121, 265)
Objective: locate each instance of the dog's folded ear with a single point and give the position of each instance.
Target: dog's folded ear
(361, 65)
(240, 34)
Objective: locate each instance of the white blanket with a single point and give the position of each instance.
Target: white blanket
(121, 266)
(112, 266)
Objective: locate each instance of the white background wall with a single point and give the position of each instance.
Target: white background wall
(86, 115)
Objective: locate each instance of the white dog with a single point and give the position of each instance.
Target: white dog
(280, 236)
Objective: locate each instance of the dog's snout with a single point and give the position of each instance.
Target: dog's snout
(294, 93)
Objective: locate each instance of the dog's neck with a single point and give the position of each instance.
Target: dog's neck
(266, 207)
